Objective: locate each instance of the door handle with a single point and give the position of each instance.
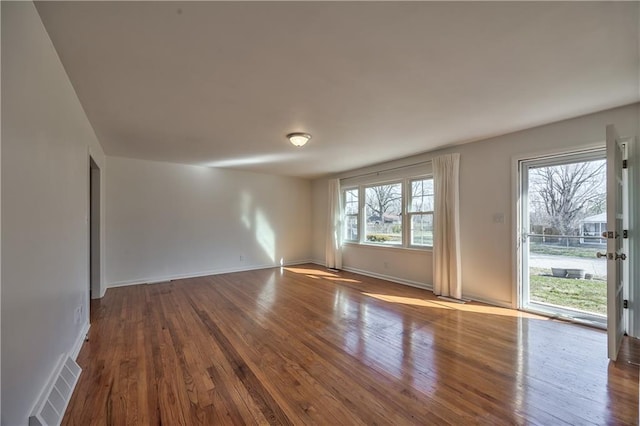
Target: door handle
(620, 256)
(610, 234)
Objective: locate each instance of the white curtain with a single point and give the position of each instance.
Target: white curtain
(447, 279)
(333, 250)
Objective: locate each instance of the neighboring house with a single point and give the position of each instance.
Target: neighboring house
(593, 226)
(388, 218)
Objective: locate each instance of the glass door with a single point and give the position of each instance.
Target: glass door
(563, 214)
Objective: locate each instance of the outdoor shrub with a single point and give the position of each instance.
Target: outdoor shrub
(377, 238)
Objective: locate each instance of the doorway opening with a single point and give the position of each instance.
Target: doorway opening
(94, 231)
(563, 253)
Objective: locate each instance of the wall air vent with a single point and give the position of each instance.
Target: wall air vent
(55, 398)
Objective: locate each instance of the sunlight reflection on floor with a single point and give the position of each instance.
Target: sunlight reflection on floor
(466, 307)
(317, 274)
(308, 271)
(427, 303)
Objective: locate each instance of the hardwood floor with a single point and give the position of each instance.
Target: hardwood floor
(302, 345)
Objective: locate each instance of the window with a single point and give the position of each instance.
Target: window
(420, 212)
(398, 212)
(383, 212)
(351, 207)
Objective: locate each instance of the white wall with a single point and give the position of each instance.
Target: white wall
(46, 141)
(319, 212)
(169, 220)
(485, 190)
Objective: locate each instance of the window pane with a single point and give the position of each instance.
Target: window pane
(351, 228)
(421, 195)
(383, 214)
(351, 201)
(422, 229)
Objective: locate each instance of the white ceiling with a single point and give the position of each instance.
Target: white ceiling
(221, 84)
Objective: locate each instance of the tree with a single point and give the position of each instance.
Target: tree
(384, 199)
(563, 195)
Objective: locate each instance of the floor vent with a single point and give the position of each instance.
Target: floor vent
(55, 398)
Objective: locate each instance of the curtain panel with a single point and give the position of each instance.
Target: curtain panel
(333, 249)
(447, 280)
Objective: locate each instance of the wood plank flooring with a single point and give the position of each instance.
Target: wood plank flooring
(303, 345)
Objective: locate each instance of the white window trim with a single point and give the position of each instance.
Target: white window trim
(406, 228)
(357, 214)
(363, 226)
(409, 213)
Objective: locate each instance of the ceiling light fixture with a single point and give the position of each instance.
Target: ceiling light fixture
(299, 139)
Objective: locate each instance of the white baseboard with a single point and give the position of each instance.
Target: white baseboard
(411, 283)
(424, 286)
(498, 303)
(319, 262)
(167, 278)
(39, 413)
(56, 394)
(79, 341)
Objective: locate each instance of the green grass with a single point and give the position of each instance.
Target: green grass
(585, 295)
(587, 252)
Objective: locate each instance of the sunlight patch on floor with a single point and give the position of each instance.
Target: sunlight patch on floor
(440, 304)
(317, 274)
(414, 301)
(345, 280)
(406, 300)
(308, 271)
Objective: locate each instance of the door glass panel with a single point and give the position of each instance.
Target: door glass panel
(565, 215)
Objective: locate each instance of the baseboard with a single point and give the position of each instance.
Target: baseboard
(55, 396)
(319, 262)
(498, 303)
(56, 393)
(403, 281)
(103, 291)
(79, 341)
(391, 278)
(167, 278)
(424, 286)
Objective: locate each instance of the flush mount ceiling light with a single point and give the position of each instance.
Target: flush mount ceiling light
(299, 139)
